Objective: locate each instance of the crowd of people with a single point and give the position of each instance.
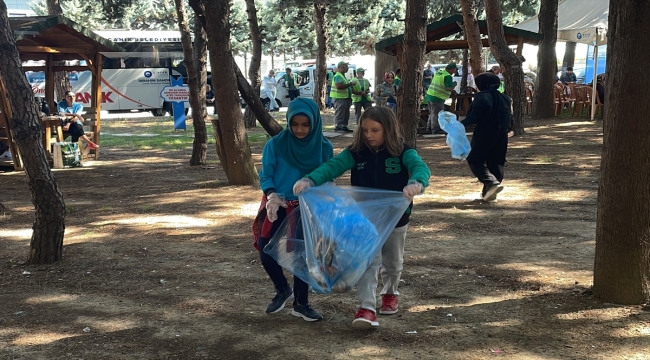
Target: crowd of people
(300, 157)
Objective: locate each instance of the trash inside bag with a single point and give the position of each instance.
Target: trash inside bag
(456, 138)
(332, 237)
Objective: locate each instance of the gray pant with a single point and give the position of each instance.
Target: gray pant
(391, 259)
(434, 109)
(359, 107)
(342, 112)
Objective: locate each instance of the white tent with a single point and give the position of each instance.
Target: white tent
(583, 21)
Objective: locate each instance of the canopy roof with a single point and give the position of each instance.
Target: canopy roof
(452, 25)
(37, 36)
(583, 21)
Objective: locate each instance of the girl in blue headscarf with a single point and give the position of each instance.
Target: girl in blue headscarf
(288, 157)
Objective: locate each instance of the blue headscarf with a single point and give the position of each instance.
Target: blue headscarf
(304, 154)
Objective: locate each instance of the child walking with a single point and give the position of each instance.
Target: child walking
(491, 111)
(295, 151)
(377, 158)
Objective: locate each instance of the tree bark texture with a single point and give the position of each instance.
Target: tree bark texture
(197, 93)
(200, 144)
(320, 8)
(409, 93)
(473, 36)
(256, 60)
(463, 81)
(231, 137)
(46, 245)
(509, 61)
(622, 260)
(546, 61)
(569, 54)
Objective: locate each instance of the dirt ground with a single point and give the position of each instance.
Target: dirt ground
(159, 264)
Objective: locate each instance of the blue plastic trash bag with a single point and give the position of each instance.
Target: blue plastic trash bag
(343, 230)
(456, 138)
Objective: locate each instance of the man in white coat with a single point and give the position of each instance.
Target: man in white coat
(270, 88)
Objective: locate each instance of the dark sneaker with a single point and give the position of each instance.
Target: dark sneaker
(388, 304)
(306, 313)
(365, 319)
(344, 129)
(490, 194)
(279, 301)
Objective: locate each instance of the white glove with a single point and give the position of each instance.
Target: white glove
(413, 189)
(302, 185)
(273, 203)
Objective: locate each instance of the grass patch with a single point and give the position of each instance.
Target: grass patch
(157, 133)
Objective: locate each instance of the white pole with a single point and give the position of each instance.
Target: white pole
(594, 93)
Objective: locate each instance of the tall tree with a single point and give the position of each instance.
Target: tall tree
(569, 54)
(543, 106)
(256, 60)
(230, 132)
(410, 90)
(473, 36)
(197, 92)
(622, 261)
(509, 61)
(46, 245)
(320, 8)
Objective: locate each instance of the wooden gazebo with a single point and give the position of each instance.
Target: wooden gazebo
(57, 38)
(389, 51)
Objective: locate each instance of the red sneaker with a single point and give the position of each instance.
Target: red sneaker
(388, 304)
(365, 319)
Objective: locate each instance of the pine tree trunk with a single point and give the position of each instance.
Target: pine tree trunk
(46, 245)
(622, 260)
(509, 61)
(473, 36)
(197, 94)
(546, 61)
(569, 54)
(409, 93)
(254, 69)
(230, 132)
(200, 144)
(463, 81)
(320, 8)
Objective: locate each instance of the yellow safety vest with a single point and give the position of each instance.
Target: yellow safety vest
(437, 87)
(361, 85)
(337, 93)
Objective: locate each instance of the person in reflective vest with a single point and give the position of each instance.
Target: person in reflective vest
(342, 94)
(291, 82)
(361, 94)
(441, 87)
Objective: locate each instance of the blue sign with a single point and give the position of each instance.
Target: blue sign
(178, 101)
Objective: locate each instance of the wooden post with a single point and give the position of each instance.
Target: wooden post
(96, 100)
(520, 45)
(49, 83)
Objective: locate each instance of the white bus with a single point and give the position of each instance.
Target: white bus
(131, 80)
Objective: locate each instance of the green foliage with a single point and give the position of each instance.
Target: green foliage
(121, 14)
(354, 26)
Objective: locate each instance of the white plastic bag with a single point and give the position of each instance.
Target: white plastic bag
(456, 138)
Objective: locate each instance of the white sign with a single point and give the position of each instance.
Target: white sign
(175, 93)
